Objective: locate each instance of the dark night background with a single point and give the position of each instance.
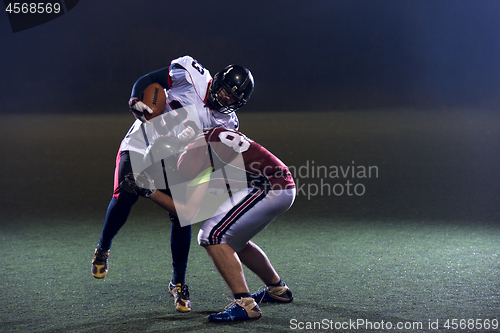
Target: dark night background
(305, 55)
(410, 86)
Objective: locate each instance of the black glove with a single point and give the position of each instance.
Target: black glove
(139, 184)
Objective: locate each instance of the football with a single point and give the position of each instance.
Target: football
(154, 97)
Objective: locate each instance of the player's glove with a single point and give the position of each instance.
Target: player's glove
(187, 134)
(138, 108)
(138, 184)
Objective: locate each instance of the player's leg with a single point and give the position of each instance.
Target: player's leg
(229, 233)
(213, 236)
(237, 230)
(180, 242)
(116, 216)
(275, 290)
(257, 261)
(252, 256)
(228, 265)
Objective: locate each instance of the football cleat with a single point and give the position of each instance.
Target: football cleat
(239, 309)
(180, 292)
(99, 267)
(271, 294)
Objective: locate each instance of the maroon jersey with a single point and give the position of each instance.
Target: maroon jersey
(235, 154)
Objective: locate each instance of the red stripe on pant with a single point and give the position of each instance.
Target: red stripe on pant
(234, 215)
(116, 182)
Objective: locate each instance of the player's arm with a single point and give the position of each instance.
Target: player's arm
(160, 76)
(143, 186)
(188, 210)
(135, 105)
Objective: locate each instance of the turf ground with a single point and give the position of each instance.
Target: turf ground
(416, 245)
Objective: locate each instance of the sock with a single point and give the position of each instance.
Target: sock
(279, 284)
(180, 241)
(241, 295)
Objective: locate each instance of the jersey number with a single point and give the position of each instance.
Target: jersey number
(238, 142)
(196, 65)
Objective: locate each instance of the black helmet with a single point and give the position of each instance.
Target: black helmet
(236, 80)
(161, 157)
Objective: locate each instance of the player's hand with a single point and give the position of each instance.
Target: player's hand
(138, 184)
(187, 134)
(138, 108)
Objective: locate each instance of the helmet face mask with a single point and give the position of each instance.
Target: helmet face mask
(233, 83)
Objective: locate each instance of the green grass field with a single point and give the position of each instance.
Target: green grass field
(420, 245)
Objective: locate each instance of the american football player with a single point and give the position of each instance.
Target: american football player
(261, 188)
(194, 101)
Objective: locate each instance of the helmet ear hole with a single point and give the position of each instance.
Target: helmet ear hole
(236, 80)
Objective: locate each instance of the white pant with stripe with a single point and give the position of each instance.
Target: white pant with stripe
(236, 224)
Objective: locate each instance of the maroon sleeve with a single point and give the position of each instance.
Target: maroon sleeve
(194, 160)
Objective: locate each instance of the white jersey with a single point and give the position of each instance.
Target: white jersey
(187, 95)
